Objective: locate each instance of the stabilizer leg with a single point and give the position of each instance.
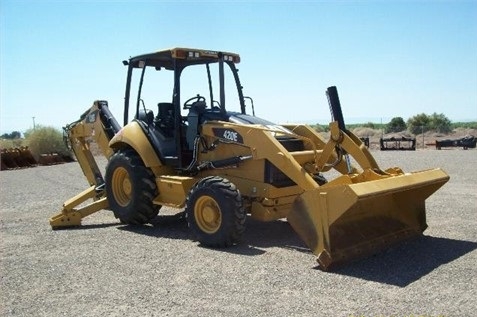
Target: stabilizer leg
(70, 216)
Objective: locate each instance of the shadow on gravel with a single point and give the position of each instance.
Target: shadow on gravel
(257, 237)
(260, 236)
(88, 226)
(265, 235)
(399, 266)
(164, 226)
(408, 262)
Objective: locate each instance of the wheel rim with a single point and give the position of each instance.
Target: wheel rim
(121, 186)
(207, 214)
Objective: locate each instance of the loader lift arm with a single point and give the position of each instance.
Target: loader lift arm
(99, 125)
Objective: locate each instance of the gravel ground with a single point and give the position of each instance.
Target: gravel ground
(108, 269)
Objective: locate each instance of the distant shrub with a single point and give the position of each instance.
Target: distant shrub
(396, 124)
(363, 132)
(10, 143)
(321, 128)
(440, 123)
(369, 125)
(11, 140)
(435, 122)
(419, 123)
(465, 125)
(11, 136)
(42, 140)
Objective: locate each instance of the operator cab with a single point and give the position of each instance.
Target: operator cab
(189, 87)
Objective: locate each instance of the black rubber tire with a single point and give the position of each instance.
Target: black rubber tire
(130, 197)
(215, 197)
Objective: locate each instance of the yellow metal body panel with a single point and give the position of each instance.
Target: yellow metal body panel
(132, 135)
(261, 143)
(272, 209)
(173, 190)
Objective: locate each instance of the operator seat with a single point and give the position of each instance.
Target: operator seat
(193, 119)
(165, 118)
(145, 115)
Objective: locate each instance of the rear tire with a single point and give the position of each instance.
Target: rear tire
(131, 189)
(215, 213)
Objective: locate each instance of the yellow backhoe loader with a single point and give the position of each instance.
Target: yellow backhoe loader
(222, 164)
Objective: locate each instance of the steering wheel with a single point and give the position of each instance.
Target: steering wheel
(189, 102)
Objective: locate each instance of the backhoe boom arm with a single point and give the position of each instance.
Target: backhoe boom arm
(96, 125)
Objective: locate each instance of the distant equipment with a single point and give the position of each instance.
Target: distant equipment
(397, 144)
(365, 141)
(22, 157)
(467, 142)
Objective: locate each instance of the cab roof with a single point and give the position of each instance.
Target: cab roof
(165, 58)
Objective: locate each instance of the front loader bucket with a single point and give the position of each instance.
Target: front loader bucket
(348, 221)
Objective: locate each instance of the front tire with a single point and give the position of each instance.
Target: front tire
(215, 213)
(130, 188)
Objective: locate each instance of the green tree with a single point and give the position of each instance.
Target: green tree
(440, 123)
(396, 124)
(418, 124)
(465, 125)
(435, 122)
(320, 127)
(369, 125)
(11, 136)
(45, 140)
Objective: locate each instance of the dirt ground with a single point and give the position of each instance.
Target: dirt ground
(105, 268)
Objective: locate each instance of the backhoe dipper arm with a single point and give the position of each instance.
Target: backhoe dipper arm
(99, 125)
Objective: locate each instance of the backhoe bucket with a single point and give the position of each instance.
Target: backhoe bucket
(347, 221)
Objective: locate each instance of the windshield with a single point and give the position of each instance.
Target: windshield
(199, 79)
(195, 81)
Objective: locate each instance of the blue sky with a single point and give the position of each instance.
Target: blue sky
(387, 59)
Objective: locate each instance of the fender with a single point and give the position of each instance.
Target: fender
(133, 136)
